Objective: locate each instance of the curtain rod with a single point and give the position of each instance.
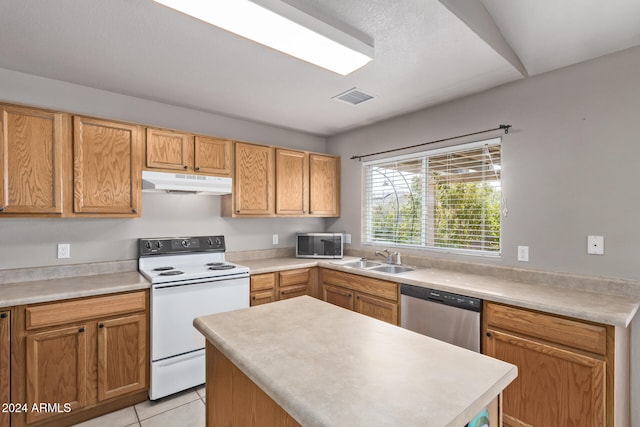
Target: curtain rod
(500, 127)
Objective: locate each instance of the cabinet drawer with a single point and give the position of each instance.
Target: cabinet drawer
(60, 313)
(381, 288)
(294, 277)
(261, 282)
(551, 328)
(292, 291)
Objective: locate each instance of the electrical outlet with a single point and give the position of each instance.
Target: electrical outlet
(523, 253)
(595, 245)
(275, 239)
(347, 239)
(64, 250)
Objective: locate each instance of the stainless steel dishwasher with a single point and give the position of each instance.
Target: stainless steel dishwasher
(444, 316)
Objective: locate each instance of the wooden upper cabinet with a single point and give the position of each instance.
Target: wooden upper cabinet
(324, 185)
(107, 176)
(167, 149)
(292, 183)
(32, 146)
(178, 151)
(213, 156)
(254, 176)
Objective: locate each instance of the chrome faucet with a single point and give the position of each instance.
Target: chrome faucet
(388, 255)
(385, 253)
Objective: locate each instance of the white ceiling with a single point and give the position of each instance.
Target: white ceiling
(424, 53)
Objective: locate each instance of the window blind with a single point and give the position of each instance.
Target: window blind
(447, 199)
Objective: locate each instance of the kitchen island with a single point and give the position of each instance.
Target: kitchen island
(321, 365)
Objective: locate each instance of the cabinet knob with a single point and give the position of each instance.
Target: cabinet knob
(253, 297)
(81, 330)
(197, 168)
(349, 295)
(1, 208)
(3, 316)
(185, 167)
(101, 325)
(488, 334)
(134, 210)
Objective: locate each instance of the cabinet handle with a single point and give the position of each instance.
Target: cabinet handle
(238, 211)
(1, 208)
(488, 334)
(197, 168)
(4, 316)
(185, 167)
(349, 295)
(253, 297)
(81, 330)
(358, 297)
(134, 210)
(101, 325)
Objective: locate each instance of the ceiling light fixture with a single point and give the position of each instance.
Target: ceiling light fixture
(283, 27)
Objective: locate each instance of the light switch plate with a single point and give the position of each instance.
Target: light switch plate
(523, 253)
(275, 239)
(595, 245)
(64, 250)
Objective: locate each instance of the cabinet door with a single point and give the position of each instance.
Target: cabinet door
(554, 387)
(213, 156)
(292, 183)
(262, 297)
(122, 356)
(324, 185)
(57, 369)
(31, 165)
(254, 186)
(107, 173)
(377, 308)
(339, 296)
(167, 149)
(5, 364)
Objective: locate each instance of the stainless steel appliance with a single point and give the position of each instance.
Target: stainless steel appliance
(189, 278)
(442, 315)
(319, 245)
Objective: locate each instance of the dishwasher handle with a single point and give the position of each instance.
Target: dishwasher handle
(442, 297)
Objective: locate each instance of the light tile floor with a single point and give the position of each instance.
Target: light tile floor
(181, 409)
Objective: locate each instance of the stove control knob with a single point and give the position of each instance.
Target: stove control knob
(218, 242)
(158, 244)
(147, 245)
(186, 243)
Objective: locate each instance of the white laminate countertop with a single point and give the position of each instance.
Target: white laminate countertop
(327, 366)
(568, 301)
(72, 287)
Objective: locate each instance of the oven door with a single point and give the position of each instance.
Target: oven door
(173, 308)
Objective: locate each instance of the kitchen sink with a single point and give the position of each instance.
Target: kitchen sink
(391, 268)
(361, 263)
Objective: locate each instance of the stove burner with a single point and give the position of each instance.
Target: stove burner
(171, 273)
(220, 266)
(163, 268)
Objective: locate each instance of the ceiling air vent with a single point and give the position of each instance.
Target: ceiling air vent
(353, 96)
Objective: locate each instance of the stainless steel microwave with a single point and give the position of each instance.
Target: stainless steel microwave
(319, 245)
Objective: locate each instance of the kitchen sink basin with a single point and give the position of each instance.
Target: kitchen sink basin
(362, 263)
(391, 268)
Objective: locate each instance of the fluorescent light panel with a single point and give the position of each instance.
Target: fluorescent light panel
(281, 26)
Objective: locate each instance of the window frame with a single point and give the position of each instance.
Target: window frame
(367, 202)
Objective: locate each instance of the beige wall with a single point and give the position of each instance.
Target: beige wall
(571, 163)
(32, 242)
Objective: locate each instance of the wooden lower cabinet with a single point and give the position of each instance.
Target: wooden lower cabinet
(372, 297)
(81, 358)
(281, 285)
(562, 367)
(5, 364)
(262, 289)
(234, 400)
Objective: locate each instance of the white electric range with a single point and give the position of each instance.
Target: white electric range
(189, 278)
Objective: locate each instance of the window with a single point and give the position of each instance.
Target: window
(440, 199)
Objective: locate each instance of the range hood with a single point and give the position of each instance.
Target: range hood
(185, 183)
